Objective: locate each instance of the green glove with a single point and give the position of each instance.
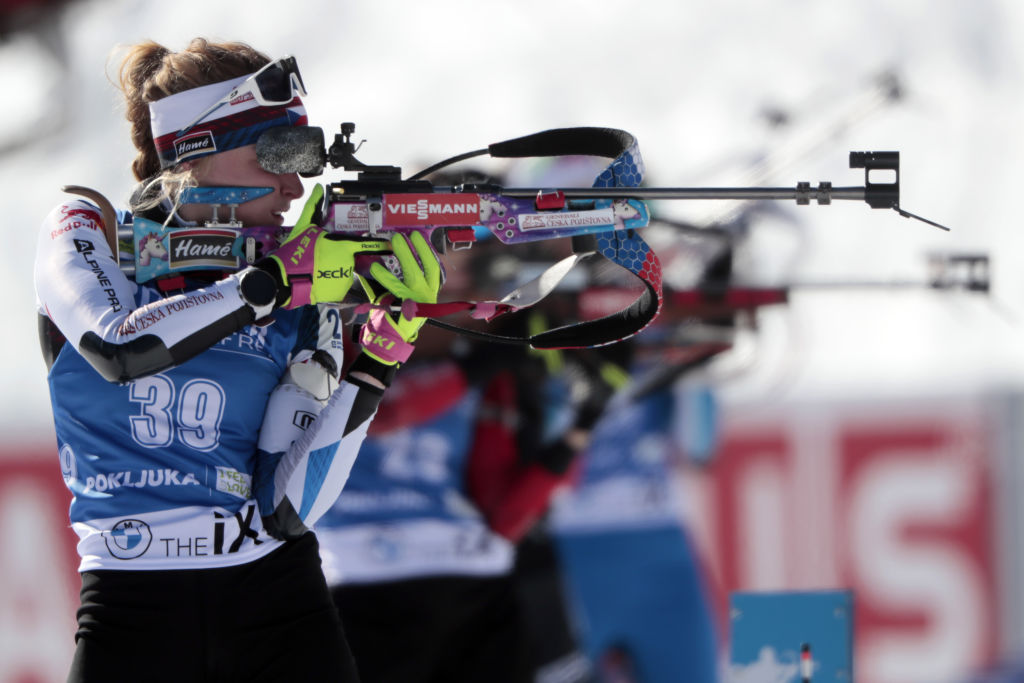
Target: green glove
(314, 266)
(388, 338)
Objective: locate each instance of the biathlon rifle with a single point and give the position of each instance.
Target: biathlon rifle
(601, 220)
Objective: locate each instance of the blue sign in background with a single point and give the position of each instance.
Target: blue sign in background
(769, 628)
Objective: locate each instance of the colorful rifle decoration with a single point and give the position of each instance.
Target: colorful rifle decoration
(601, 220)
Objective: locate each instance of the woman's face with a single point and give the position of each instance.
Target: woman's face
(239, 168)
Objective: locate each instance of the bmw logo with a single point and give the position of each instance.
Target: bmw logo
(128, 539)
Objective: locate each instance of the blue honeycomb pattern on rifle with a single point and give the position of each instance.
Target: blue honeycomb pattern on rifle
(629, 253)
(626, 171)
(627, 248)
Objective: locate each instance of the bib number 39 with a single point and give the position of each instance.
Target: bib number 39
(192, 414)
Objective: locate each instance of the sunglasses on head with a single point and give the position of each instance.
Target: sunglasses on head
(277, 83)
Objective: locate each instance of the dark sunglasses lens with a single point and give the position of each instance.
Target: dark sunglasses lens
(287, 149)
(274, 84)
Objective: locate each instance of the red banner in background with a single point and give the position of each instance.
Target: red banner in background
(895, 502)
(38, 566)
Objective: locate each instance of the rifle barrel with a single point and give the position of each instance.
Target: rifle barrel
(823, 193)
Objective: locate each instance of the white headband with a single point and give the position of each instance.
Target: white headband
(237, 123)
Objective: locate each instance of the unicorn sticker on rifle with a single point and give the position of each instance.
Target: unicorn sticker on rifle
(623, 211)
(151, 247)
(490, 206)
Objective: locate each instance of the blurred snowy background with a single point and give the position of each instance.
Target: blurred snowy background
(710, 89)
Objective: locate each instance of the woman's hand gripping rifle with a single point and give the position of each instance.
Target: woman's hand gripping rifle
(388, 337)
(312, 265)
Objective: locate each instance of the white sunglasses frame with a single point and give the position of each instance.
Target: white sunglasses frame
(249, 85)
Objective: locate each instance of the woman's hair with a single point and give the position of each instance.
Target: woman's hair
(149, 72)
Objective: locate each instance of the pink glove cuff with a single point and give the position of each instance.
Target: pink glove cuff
(302, 290)
(382, 340)
(297, 256)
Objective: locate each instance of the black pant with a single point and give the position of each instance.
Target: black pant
(434, 630)
(267, 621)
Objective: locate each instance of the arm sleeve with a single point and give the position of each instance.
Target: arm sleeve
(298, 480)
(297, 463)
(82, 291)
(511, 488)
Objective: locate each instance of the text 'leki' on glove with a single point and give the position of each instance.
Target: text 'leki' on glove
(389, 337)
(313, 265)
